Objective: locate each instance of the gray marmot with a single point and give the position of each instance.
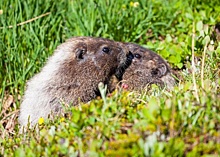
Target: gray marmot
(147, 68)
(71, 74)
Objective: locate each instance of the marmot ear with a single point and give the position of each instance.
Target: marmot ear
(160, 71)
(163, 69)
(81, 51)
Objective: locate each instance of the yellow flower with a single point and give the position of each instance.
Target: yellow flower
(10, 140)
(136, 4)
(41, 120)
(131, 4)
(140, 106)
(62, 119)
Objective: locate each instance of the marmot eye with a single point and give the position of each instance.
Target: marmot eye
(136, 55)
(106, 50)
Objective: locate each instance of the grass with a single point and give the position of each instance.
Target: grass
(159, 122)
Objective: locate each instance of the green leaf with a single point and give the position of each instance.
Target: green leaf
(168, 38)
(164, 53)
(166, 113)
(174, 59)
(76, 116)
(189, 16)
(206, 40)
(179, 65)
(199, 26)
(147, 114)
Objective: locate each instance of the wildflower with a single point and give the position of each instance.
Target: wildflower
(124, 86)
(41, 120)
(1, 11)
(10, 140)
(140, 106)
(131, 4)
(134, 4)
(62, 119)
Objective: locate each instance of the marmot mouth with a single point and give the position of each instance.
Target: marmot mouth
(122, 67)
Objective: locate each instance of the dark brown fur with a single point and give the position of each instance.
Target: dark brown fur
(147, 68)
(72, 74)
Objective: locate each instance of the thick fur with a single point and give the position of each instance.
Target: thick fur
(147, 68)
(71, 74)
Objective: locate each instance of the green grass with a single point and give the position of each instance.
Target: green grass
(180, 122)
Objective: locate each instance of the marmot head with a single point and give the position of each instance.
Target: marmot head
(147, 68)
(84, 62)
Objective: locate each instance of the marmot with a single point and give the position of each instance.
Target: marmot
(73, 72)
(147, 68)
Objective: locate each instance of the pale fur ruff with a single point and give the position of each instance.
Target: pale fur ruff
(35, 96)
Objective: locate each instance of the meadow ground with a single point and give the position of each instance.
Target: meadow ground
(155, 122)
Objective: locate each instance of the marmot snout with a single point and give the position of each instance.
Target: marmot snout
(72, 73)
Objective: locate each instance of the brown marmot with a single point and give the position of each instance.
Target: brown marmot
(147, 68)
(73, 72)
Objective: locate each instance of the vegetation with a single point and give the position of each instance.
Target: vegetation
(156, 122)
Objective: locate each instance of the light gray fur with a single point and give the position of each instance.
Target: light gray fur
(73, 72)
(36, 98)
